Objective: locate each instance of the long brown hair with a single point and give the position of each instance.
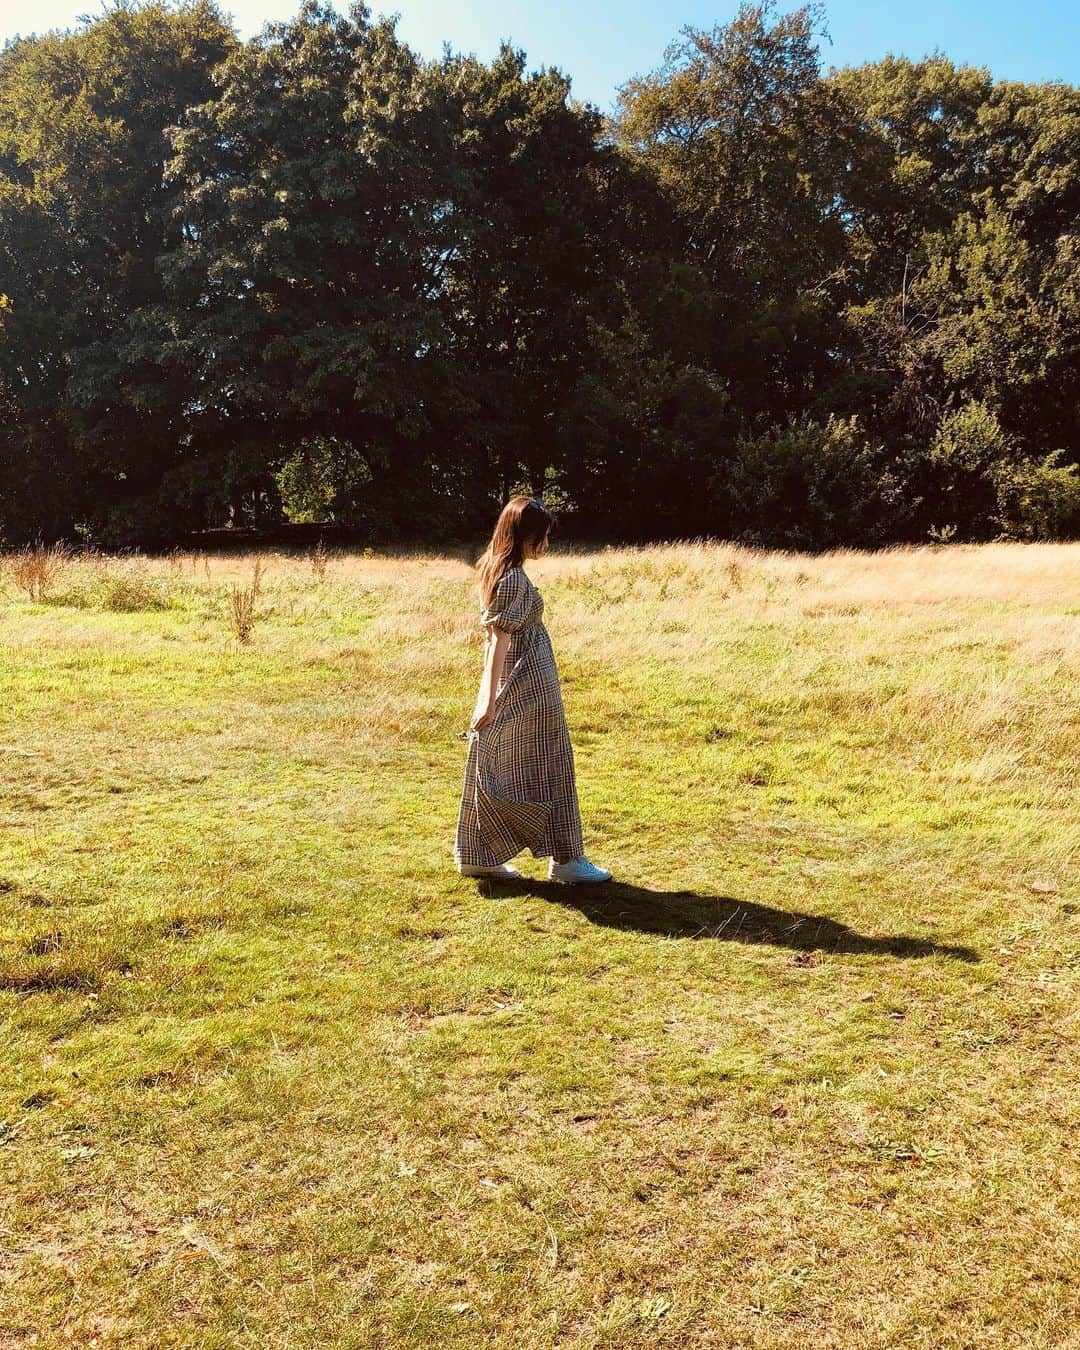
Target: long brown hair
(523, 524)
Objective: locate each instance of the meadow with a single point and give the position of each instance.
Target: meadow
(273, 1075)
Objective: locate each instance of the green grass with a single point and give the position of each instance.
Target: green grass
(273, 1075)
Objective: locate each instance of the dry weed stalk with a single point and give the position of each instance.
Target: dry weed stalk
(320, 559)
(242, 609)
(35, 568)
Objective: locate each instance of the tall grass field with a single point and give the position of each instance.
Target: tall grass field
(805, 1074)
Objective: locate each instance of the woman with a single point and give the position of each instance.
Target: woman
(519, 780)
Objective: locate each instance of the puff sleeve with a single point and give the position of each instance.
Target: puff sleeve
(509, 605)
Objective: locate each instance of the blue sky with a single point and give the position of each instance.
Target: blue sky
(600, 43)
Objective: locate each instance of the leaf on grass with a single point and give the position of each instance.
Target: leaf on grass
(77, 1152)
(200, 1245)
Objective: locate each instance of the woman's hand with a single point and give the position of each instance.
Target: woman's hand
(481, 717)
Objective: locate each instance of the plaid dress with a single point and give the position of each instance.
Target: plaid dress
(520, 790)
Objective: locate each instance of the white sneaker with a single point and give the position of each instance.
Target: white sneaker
(504, 872)
(575, 871)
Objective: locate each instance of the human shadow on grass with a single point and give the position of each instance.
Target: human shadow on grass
(721, 918)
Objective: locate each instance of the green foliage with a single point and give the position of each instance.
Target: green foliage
(312, 275)
(308, 484)
(811, 485)
(315, 477)
(110, 585)
(308, 191)
(89, 423)
(131, 591)
(1038, 499)
(742, 135)
(962, 279)
(643, 427)
(969, 443)
(532, 260)
(956, 472)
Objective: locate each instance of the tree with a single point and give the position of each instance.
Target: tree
(312, 192)
(84, 216)
(532, 260)
(739, 131)
(311, 273)
(961, 282)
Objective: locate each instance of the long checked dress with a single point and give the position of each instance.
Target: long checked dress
(520, 791)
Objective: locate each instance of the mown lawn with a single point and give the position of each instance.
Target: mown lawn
(272, 1075)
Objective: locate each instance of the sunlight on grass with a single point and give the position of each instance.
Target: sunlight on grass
(274, 1075)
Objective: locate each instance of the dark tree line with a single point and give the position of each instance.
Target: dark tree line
(311, 276)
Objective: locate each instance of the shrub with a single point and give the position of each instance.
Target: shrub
(120, 587)
(811, 485)
(955, 474)
(1038, 499)
(130, 591)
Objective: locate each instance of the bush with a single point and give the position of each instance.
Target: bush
(1038, 499)
(120, 588)
(975, 485)
(129, 592)
(956, 474)
(811, 485)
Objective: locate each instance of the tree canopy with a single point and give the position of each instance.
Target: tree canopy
(312, 276)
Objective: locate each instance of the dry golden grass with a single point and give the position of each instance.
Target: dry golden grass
(34, 569)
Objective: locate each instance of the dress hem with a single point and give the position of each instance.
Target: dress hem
(525, 848)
